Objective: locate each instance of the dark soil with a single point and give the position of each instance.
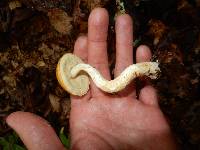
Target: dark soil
(34, 34)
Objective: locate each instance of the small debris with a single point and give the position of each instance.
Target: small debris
(40, 64)
(66, 108)
(10, 80)
(157, 29)
(55, 103)
(14, 4)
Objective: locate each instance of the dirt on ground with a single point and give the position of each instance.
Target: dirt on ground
(34, 34)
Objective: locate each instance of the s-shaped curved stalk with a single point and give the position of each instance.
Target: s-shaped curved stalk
(73, 74)
(149, 69)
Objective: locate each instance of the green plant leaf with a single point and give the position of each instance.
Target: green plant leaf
(65, 141)
(17, 147)
(3, 142)
(7, 147)
(10, 142)
(137, 42)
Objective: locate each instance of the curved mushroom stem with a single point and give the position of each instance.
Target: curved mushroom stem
(149, 69)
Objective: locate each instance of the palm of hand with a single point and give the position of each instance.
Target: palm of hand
(117, 119)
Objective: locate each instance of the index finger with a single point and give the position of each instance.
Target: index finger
(97, 45)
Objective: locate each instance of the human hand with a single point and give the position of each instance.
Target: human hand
(103, 121)
(99, 120)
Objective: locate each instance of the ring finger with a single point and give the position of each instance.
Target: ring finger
(124, 49)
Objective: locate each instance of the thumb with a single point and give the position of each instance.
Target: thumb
(34, 131)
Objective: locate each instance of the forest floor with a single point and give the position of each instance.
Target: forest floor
(34, 34)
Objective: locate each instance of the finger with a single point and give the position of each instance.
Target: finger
(80, 50)
(34, 131)
(97, 45)
(143, 53)
(124, 43)
(148, 94)
(124, 49)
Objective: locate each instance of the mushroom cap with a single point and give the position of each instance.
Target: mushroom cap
(78, 85)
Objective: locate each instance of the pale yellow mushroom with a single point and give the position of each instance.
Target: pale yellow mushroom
(73, 75)
(75, 86)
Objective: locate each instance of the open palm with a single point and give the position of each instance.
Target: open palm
(99, 120)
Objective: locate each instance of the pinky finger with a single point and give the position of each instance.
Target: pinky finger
(148, 96)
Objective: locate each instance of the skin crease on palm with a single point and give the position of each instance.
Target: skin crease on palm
(100, 121)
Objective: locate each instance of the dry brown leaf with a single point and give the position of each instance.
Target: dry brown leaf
(60, 20)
